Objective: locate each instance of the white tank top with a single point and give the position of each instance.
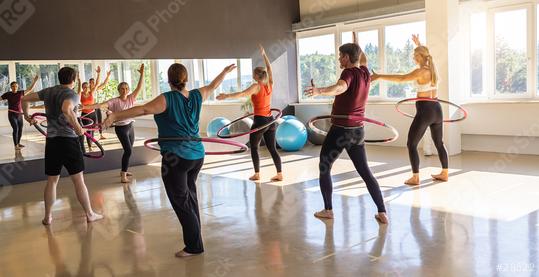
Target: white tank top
(424, 87)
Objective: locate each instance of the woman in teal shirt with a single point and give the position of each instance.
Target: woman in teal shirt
(176, 114)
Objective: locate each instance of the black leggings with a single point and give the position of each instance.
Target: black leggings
(99, 118)
(179, 176)
(429, 114)
(86, 121)
(15, 119)
(268, 134)
(126, 135)
(352, 140)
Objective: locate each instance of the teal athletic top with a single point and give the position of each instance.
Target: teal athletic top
(180, 119)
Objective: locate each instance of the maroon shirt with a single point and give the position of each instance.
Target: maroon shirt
(354, 99)
(14, 100)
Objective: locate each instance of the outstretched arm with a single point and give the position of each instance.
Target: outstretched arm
(33, 85)
(398, 78)
(26, 100)
(98, 71)
(140, 82)
(254, 88)
(209, 89)
(268, 64)
(156, 106)
(340, 87)
(103, 105)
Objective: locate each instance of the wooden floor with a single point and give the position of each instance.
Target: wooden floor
(483, 222)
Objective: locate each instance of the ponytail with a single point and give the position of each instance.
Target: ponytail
(433, 71)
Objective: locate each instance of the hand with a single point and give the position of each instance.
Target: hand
(109, 120)
(354, 38)
(375, 76)
(312, 90)
(221, 96)
(229, 68)
(30, 120)
(415, 39)
(262, 51)
(108, 72)
(141, 69)
(98, 70)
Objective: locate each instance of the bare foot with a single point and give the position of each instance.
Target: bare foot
(17, 147)
(102, 137)
(128, 173)
(93, 217)
(90, 149)
(21, 146)
(443, 176)
(414, 181)
(183, 254)
(124, 179)
(382, 218)
(255, 177)
(47, 220)
(324, 214)
(277, 178)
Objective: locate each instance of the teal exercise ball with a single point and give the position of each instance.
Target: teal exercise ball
(291, 135)
(216, 124)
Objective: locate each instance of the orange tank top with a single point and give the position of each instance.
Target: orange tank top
(262, 100)
(86, 101)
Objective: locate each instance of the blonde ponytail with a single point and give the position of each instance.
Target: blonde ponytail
(433, 72)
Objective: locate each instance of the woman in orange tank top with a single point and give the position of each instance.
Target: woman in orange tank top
(260, 94)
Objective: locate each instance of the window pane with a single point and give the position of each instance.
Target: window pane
(88, 72)
(163, 66)
(246, 73)
(317, 61)
(511, 52)
(399, 50)
(213, 67)
(537, 53)
(48, 75)
(134, 66)
(477, 40)
(111, 89)
(4, 81)
(72, 65)
(368, 41)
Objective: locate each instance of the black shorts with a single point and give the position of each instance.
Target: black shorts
(63, 151)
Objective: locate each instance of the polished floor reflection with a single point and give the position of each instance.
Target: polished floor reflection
(484, 222)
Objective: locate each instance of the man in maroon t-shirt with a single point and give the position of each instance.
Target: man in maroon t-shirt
(14, 114)
(351, 92)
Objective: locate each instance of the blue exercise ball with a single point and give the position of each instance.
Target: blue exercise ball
(287, 117)
(216, 124)
(291, 135)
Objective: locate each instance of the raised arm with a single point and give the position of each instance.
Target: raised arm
(140, 81)
(102, 85)
(69, 113)
(103, 105)
(33, 85)
(79, 84)
(209, 89)
(415, 39)
(254, 88)
(26, 100)
(398, 78)
(268, 64)
(156, 106)
(340, 87)
(98, 71)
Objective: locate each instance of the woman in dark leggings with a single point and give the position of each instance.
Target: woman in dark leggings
(260, 94)
(176, 114)
(14, 114)
(351, 92)
(124, 129)
(429, 114)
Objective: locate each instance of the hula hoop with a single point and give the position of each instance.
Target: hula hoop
(92, 139)
(464, 112)
(242, 147)
(358, 119)
(279, 113)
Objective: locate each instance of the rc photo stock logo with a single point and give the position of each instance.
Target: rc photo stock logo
(141, 37)
(14, 13)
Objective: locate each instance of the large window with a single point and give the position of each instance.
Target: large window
(399, 50)
(387, 44)
(134, 66)
(4, 81)
(163, 66)
(317, 61)
(511, 65)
